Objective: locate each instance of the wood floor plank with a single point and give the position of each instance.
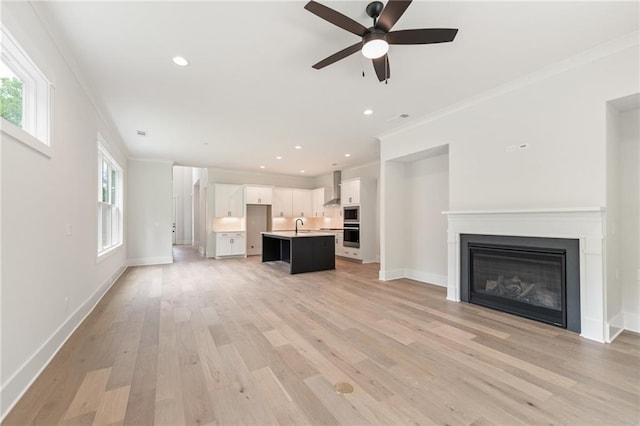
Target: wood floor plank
(235, 341)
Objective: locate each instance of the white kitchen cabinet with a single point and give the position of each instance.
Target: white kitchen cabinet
(282, 203)
(228, 200)
(317, 196)
(258, 195)
(230, 244)
(351, 252)
(339, 248)
(302, 203)
(350, 192)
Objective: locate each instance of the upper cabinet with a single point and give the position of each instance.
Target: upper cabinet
(318, 202)
(258, 195)
(228, 200)
(282, 203)
(350, 192)
(302, 203)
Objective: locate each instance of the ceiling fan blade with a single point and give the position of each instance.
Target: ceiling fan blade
(423, 36)
(391, 13)
(336, 18)
(381, 65)
(339, 55)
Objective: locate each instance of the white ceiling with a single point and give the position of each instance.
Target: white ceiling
(250, 93)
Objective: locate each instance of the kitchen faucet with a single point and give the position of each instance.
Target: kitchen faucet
(301, 223)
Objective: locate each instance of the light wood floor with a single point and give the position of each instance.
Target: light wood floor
(239, 342)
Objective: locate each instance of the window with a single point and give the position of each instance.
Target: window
(109, 202)
(24, 96)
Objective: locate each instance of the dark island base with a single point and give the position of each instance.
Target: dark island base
(305, 254)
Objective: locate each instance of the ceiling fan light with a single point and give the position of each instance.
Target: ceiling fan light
(375, 46)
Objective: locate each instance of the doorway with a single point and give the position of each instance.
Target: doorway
(257, 222)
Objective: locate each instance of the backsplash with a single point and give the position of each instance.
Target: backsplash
(228, 224)
(231, 224)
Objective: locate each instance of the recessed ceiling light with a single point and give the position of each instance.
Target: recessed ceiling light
(368, 111)
(262, 167)
(301, 171)
(179, 60)
(347, 155)
(141, 132)
(298, 147)
(279, 157)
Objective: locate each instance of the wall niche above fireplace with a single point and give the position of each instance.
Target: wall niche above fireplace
(533, 277)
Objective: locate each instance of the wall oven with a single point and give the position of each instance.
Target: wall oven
(351, 236)
(351, 214)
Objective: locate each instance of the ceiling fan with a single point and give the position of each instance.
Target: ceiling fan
(376, 39)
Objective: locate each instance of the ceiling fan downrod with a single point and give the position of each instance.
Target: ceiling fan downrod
(374, 9)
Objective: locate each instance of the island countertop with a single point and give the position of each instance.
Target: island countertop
(300, 234)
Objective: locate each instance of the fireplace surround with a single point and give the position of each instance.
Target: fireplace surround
(533, 277)
(584, 224)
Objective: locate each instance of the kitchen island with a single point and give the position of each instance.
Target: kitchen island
(304, 251)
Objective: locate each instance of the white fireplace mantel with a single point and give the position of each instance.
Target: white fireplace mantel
(584, 224)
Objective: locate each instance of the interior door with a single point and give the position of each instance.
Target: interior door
(173, 227)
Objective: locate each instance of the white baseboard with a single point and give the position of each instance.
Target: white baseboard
(15, 386)
(427, 277)
(615, 327)
(632, 322)
(390, 274)
(143, 261)
(183, 242)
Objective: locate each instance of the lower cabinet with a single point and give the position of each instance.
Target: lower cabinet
(231, 244)
(351, 252)
(339, 248)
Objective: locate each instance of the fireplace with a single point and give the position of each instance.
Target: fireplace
(533, 277)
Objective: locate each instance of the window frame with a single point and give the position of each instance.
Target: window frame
(35, 131)
(114, 203)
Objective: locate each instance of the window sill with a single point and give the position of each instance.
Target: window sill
(22, 136)
(108, 253)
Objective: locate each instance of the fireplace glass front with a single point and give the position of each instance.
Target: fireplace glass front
(525, 282)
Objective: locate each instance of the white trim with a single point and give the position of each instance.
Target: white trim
(108, 252)
(427, 277)
(615, 327)
(22, 136)
(36, 88)
(15, 386)
(584, 224)
(145, 261)
(601, 51)
(632, 322)
(519, 211)
(390, 274)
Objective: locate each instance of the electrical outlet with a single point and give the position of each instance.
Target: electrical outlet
(67, 230)
(510, 148)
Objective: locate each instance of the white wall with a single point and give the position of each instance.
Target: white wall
(562, 120)
(612, 223)
(50, 281)
(427, 196)
(559, 113)
(629, 152)
(241, 177)
(202, 203)
(149, 212)
(182, 192)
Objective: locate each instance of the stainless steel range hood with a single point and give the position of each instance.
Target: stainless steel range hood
(334, 197)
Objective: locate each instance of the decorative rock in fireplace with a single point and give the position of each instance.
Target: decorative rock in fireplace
(536, 278)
